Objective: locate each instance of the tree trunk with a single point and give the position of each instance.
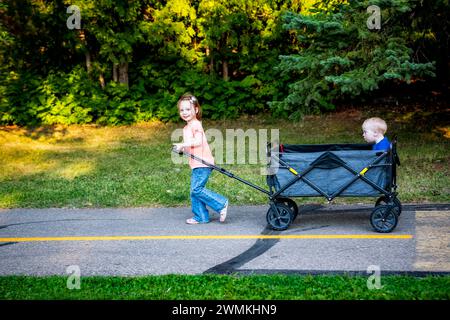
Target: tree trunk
(211, 61)
(225, 70)
(223, 50)
(123, 73)
(88, 62)
(211, 66)
(114, 73)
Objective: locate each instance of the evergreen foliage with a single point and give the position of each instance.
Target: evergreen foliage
(341, 58)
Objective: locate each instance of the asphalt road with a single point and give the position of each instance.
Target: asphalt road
(145, 241)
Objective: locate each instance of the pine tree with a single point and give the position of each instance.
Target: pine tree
(341, 58)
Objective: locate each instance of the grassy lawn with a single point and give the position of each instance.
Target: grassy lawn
(131, 166)
(210, 287)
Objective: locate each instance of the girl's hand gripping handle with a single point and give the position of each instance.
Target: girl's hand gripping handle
(177, 148)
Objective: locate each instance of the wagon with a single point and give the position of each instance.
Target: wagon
(329, 171)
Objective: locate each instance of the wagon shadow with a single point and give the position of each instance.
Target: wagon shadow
(349, 220)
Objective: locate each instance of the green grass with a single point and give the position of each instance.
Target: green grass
(213, 287)
(130, 166)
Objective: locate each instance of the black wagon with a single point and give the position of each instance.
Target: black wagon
(330, 171)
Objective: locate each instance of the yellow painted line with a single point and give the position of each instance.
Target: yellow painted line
(212, 237)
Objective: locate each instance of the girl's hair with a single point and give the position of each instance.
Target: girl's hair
(379, 125)
(194, 103)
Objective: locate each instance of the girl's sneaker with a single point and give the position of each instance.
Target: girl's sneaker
(192, 221)
(223, 213)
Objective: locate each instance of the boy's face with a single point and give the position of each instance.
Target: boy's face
(370, 134)
(187, 111)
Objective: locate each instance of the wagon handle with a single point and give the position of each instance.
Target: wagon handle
(221, 170)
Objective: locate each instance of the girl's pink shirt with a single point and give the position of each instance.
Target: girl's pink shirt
(202, 151)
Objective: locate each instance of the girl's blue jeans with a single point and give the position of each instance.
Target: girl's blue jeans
(201, 197)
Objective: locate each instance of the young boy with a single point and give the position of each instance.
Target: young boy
(373, 132)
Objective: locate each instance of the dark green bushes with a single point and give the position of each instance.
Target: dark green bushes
(74, 98)
(131, 61)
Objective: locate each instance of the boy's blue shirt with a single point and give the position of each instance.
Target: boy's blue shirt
(382, 145)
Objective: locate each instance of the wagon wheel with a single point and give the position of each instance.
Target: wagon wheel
(281, 219)
(384, 218)
(396, 203)
(291, 204)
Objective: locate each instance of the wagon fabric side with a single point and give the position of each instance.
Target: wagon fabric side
(329, 172)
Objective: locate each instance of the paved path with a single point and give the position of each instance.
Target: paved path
(143, 241)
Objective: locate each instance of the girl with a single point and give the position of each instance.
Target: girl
(194, 142)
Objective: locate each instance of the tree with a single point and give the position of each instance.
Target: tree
(341, 58)
(112, 29)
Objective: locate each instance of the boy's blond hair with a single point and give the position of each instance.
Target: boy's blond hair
(377, 124)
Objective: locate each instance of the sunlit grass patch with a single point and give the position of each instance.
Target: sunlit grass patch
(93, 166)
